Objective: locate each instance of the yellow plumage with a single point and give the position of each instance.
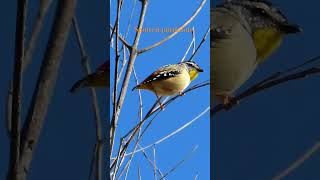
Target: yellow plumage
(266, 41)
(193, 74)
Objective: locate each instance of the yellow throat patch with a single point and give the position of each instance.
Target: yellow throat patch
(266, 41)
(193, 74)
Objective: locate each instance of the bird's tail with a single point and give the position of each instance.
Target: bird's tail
(78, 85)
(139, 86)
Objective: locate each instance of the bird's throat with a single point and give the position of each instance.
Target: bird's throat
(266, 42)
(193, 74)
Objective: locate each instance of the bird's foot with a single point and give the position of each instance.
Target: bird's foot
(161, 106)
(229, 101)
(181, 93)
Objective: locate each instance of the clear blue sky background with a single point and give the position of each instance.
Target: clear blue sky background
(170, 14)
(268, 131)
(68, 136)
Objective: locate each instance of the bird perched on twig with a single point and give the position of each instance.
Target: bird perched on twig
(170, 79)
(244, 33)
(99, 78)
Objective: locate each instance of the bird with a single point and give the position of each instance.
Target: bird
(243, 34)
(99, 78)
(170, 79)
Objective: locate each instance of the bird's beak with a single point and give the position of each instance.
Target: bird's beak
(291, 28)
(200, 70)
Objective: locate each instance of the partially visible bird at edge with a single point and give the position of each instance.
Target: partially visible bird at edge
(99, 78)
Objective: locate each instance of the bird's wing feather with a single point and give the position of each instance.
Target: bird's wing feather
(163, 73)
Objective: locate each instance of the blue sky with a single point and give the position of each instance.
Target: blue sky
(170, 14)
(267, 132)
(68, 136)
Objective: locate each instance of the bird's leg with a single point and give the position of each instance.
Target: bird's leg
(159, 101)
(158, 98)
(227, 100)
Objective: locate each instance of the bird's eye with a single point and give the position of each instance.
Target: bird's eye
(260, 11)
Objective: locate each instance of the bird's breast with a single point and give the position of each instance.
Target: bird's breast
(173, 85)
(233, 60)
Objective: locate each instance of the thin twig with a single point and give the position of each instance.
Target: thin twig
(154, 163)
(92, 162)
(9, 111)
(119, 4)
(173, 133)
(179, 163)
(36, 29)
(123, 41)
(152, 111)
(127, 166)
(114, 172)
(275, 79)
(86, 66)
(150, 162)
(297, 163)
(202, 41)
(192, 43)
(124, 62)
(139, 173)
(265, 85)
(130, 19)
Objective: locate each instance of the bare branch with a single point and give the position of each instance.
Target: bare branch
(298, 162)
(127, 166)
(179, 163)
(45, 84)
(92, 162)
(124, 42)
(130, 19)
(154, 163)
(202, 41)
(9, 111)
(275, 79)
(133, 55)
(192, 43)
(16, 93)
(115, 81)
(86, 66)
(172, 133)
(36, 29)
(174, 33)
(139, 173)
(152, 111)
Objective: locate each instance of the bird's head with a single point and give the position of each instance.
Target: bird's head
(266, 23)
(262, 14)
(193, 69)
